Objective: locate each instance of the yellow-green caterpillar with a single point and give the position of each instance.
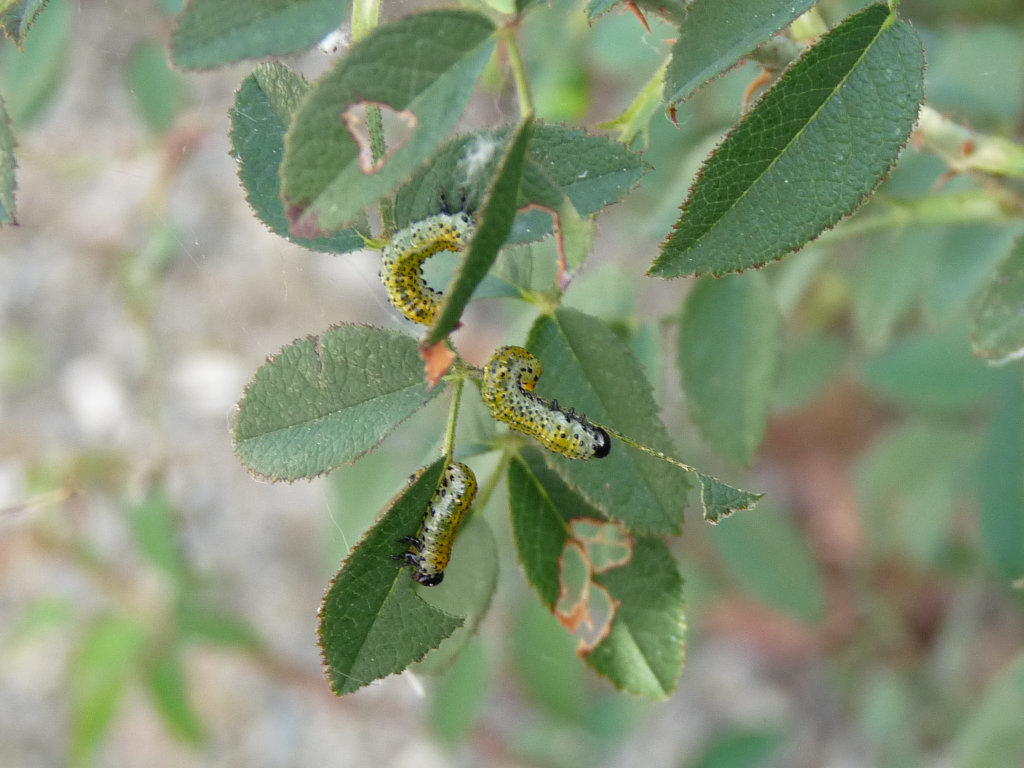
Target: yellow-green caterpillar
(509, 379)
(403, 257)
(431, 548)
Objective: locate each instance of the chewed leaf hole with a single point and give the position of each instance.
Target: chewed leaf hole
(397, 128)
(584, 607)
(607, 545)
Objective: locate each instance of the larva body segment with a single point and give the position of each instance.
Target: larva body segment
(431, 548)
(403, 258)
(509, 379)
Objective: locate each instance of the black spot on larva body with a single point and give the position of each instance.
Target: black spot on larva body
(404, 255)
(509, 379)
(431, 549)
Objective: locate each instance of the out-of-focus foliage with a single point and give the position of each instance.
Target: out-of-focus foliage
(870, 383)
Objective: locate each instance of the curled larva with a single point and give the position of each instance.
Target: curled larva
(403, 257)
(509, 379)
(431, 548)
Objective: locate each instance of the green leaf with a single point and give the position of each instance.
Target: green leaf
(31, 76)
(997, 327)
(592, 171)
(7, 166)
(645, 648)
(372, 622)
(41, 616)
(575, 235)
(1001, 482)
(715, 35)
(888, 703)
(107, 657)
(933, 371)
(720, 500)
(588, 368)
(441, 268)
(729, 343)
(911, 483)
(807, 365)
(991, 737)
(773, 563)
(170, 692)
(672, 10)
(424, 66)
(327, 400)
(469, 583)
(742, 749)
(158, 91)
(807, 154)
(596, 8)
(541, 504)
(955, 282)
(156, 533)
(211, 33)
(888, 289)
(16, 16)
(260, 116)
(494, 222)
(635, 121)
(199, 621)
(546, 666)
(457, 701)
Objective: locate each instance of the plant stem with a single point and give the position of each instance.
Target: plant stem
(365, 18)
(515, 60)
(453, 417)
(484, 494)
(975, 206)
(967, 150)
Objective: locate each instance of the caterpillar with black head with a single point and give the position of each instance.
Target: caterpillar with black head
(509, 379)
(404, 255)
(431, 549)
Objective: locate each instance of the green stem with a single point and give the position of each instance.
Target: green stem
(777, 53)
(975, 206)
(375, 123)
(515, 61)
(484, 495)
(453, 417)
(967, 150)
(365, 18)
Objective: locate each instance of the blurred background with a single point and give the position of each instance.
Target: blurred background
(158, 605)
